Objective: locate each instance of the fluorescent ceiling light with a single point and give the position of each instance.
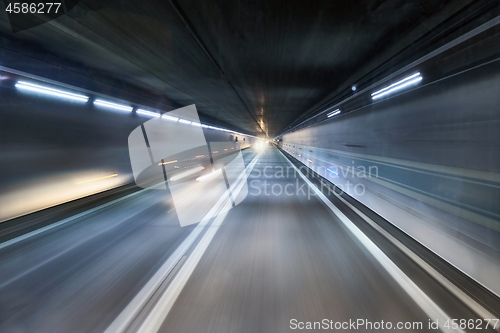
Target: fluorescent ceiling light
(169, 117)
(332, 171)
(50, 91)
(148, 113)
(110, 105)
(82, 98)
(187, 173)
(407, 81)
(333, 113)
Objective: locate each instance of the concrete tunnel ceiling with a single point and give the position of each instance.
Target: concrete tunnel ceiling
(256, 65)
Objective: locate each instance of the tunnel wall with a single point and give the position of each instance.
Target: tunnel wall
(51, 148)
(427, 161)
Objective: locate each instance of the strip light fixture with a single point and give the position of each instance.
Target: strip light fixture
(96, 179)
(405, 82)
(50, 91)
(333, 113)
(23, 85)
(110, 105)
(167, 162)
(193, 123)
(148, 113)
(170, 118)
(332, 171)
(186, 173)
(208, 175)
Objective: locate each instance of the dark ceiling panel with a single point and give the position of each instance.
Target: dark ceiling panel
(257, 65)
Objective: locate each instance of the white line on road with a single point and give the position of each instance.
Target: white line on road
(480, 311)
(424, 302)
(158, 314)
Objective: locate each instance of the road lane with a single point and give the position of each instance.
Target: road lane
(78, 276)
(280, 258)
(284, 257)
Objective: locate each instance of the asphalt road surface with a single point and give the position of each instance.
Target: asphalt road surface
(280, 259)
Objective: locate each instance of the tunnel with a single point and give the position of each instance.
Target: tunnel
(249, 166)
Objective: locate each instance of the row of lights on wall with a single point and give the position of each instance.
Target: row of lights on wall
(62, 94)
(388, 90)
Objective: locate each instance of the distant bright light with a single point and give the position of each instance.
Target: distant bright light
(353, 88)
(186, 173)
(184, 121)
(333, 113)
(148, 113)
(50, 91)
(407, 81)
(260, 145)
(169, 117)
(309, 160)
(110, 105)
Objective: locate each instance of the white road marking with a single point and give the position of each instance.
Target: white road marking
(424, 302)
(134, 307)
(158, 314)
(480, 311)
